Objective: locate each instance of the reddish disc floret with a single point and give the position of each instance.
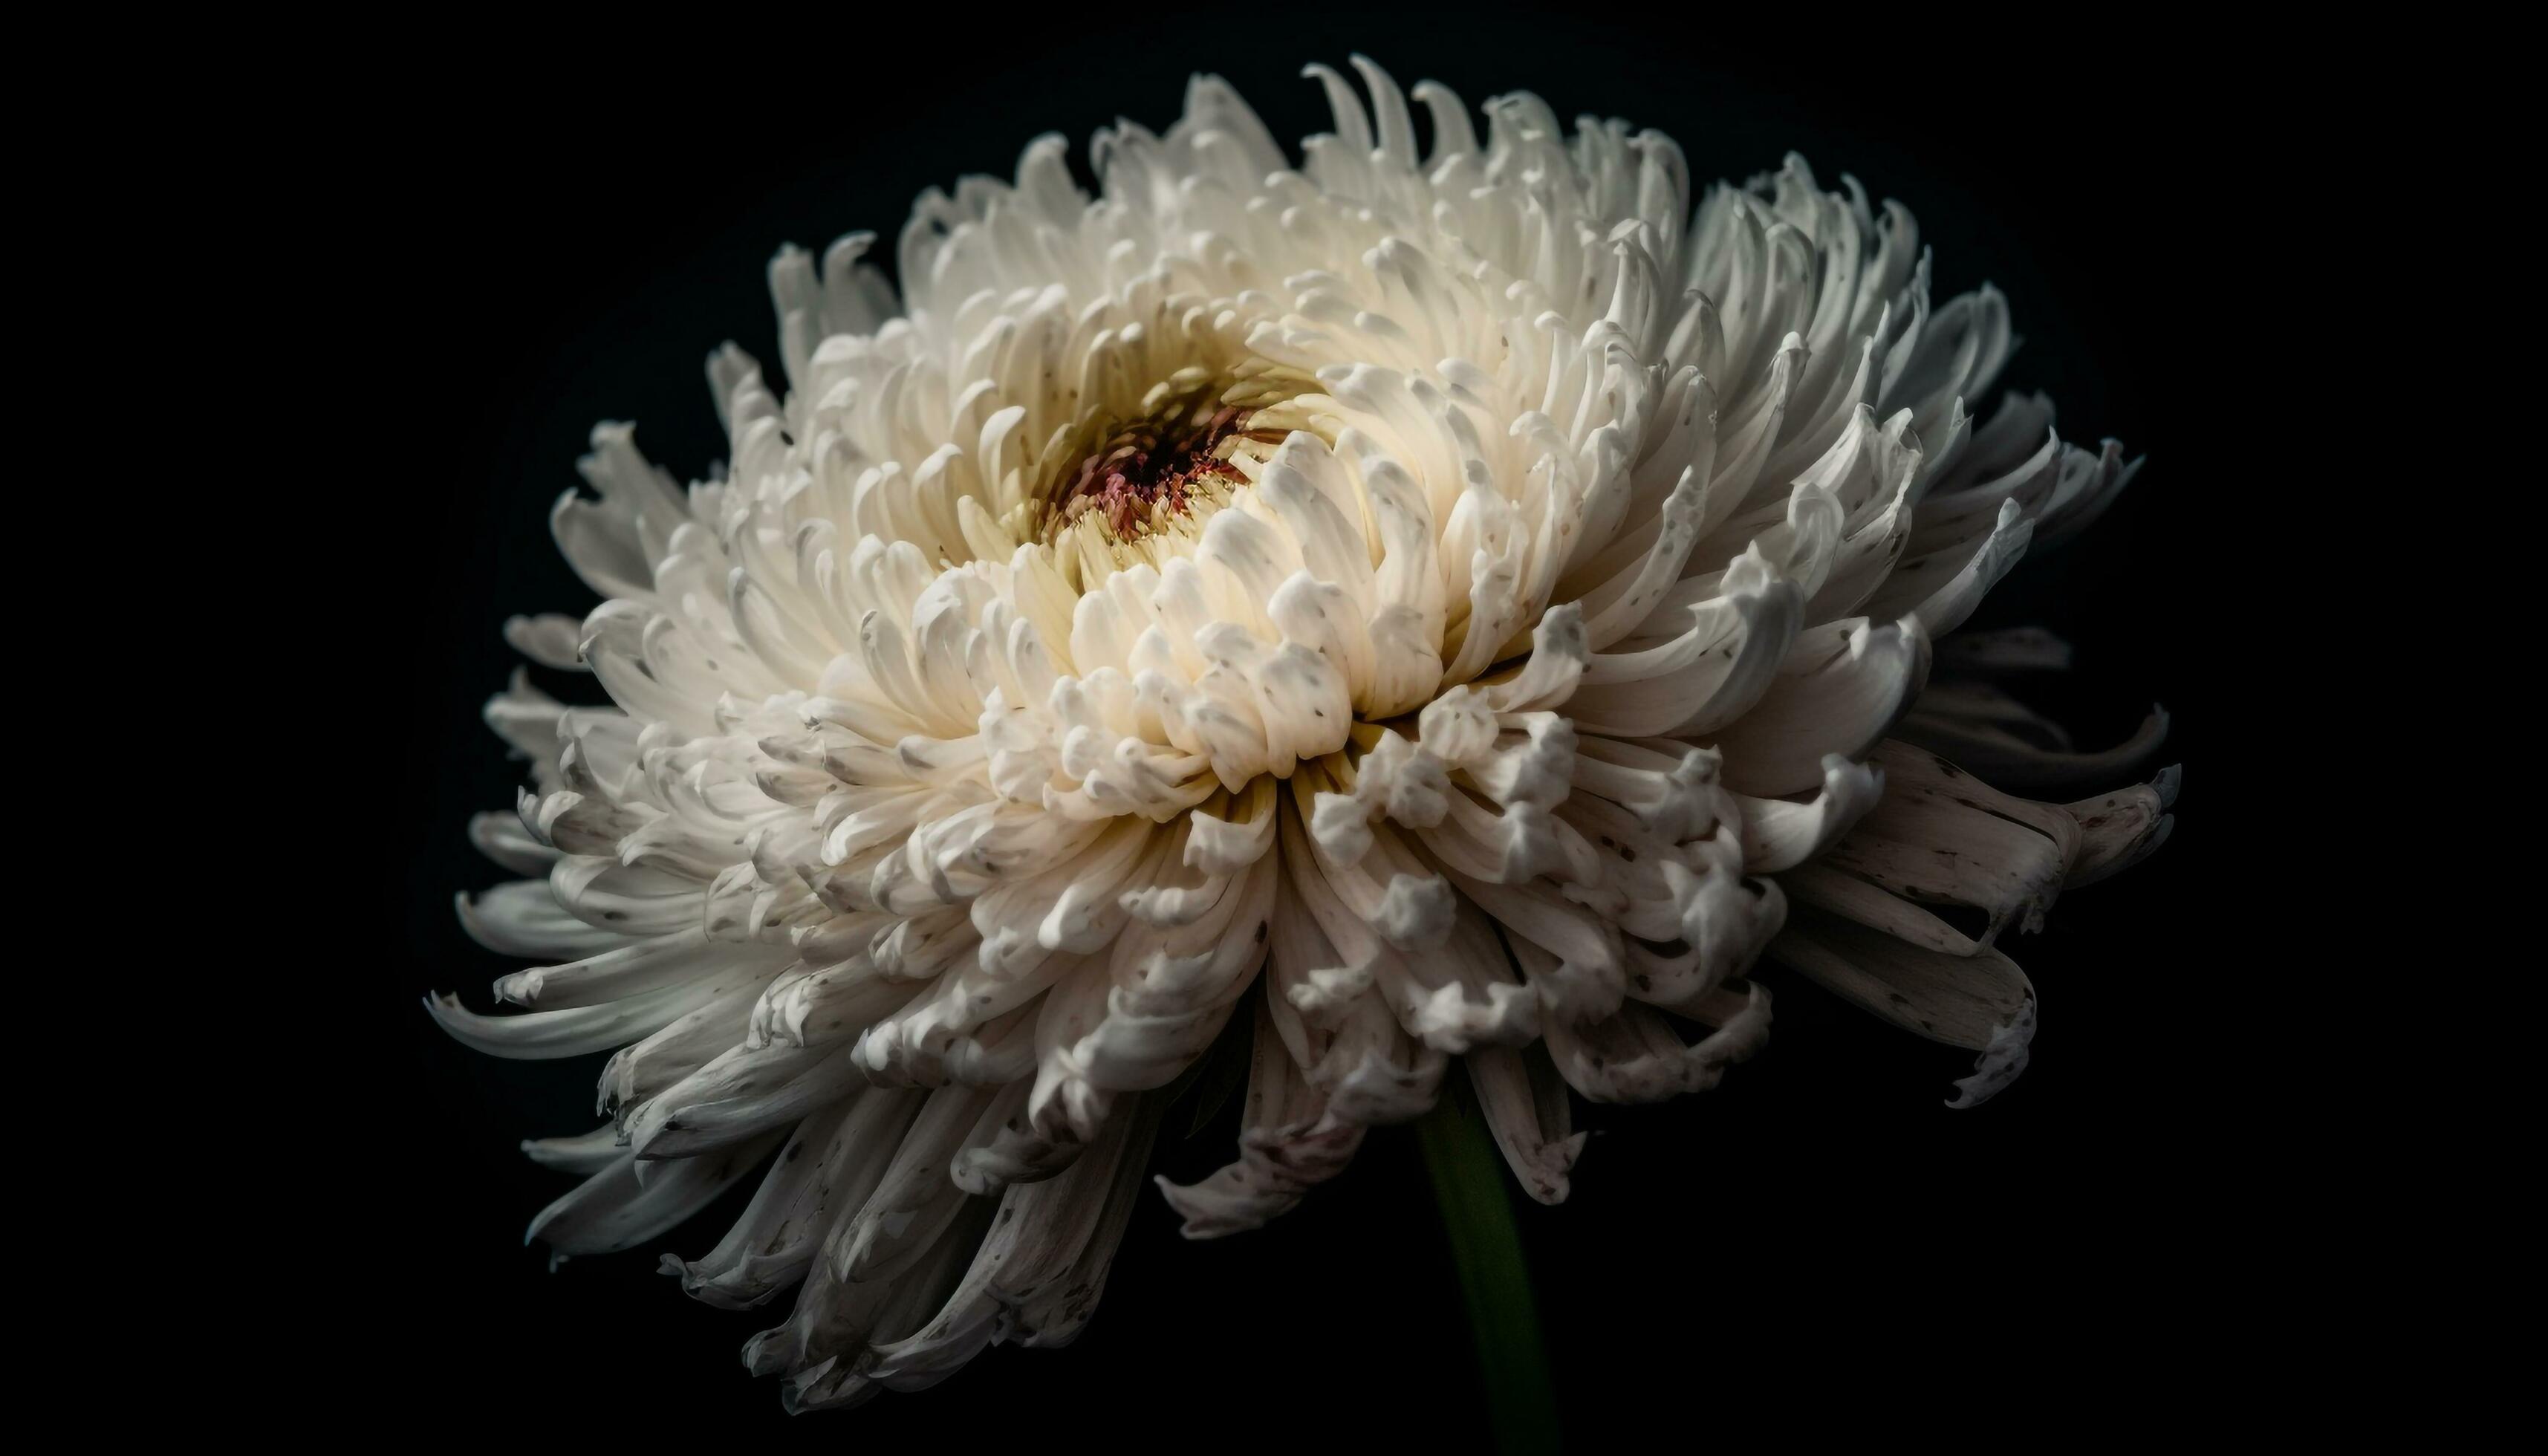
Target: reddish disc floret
(1150, 465)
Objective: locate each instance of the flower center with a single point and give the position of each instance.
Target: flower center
(1139, 493)
(1154, 471)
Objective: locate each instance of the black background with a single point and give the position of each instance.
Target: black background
(562, 237)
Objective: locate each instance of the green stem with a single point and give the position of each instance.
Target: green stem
(1495, 1282)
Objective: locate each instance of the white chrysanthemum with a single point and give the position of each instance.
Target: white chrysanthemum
(1466, 594)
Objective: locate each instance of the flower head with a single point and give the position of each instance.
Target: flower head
(1416, 606)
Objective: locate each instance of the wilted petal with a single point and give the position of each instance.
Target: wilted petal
(2120, 830)
(1524, 1102)
(1941, 837)
(1962, 1000)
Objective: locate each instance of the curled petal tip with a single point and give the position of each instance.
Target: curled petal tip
(1999, 1064)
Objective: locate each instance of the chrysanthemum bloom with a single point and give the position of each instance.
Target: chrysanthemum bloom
(1421, 606)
